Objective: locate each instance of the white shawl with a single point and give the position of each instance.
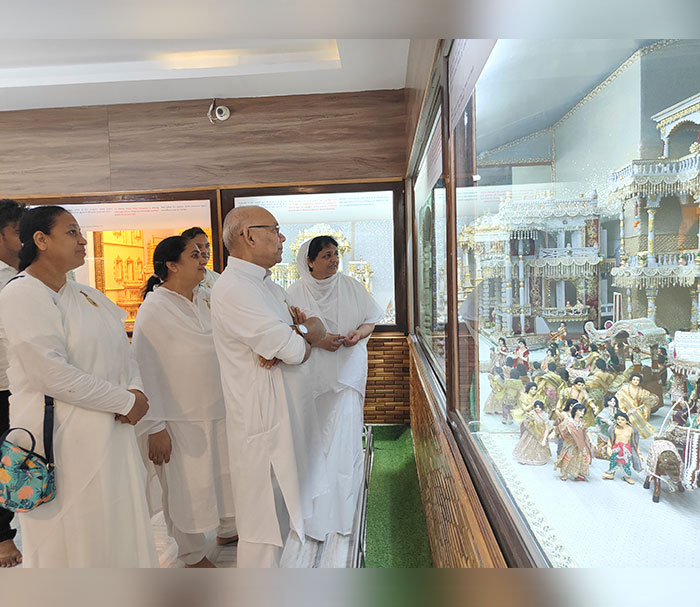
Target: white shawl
(174, 347)
(343, 304)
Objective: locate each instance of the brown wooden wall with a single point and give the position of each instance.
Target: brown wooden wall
(268, 140)
(387, 396)
(421, 55)
(458, 530)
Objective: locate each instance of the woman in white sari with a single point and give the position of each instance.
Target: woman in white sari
(184, 433)
(339, 369)
(67, 340)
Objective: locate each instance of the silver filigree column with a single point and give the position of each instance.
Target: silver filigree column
(651, 302)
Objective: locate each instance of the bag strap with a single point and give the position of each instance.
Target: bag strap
(48, 430)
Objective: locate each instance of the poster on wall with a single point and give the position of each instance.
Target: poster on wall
(103, 216)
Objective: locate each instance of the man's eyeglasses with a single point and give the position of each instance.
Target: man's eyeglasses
(276, 228)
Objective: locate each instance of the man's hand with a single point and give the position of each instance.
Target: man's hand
(139, 409)
(317, 331)
(159, 447)
(268, 364)
(298, 317)
(352, 338)
(331, 342)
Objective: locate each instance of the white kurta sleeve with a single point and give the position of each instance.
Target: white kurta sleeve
(135, 382)
(257, 325)
(34, 331)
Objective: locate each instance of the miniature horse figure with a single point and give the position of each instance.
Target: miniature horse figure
(663, 459)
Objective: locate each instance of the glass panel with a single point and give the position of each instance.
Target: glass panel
(121, 239)
(361, 222)
(578, 264)
(431, 287)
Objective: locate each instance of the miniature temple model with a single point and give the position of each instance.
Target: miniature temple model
(536, 265)
(658, 206)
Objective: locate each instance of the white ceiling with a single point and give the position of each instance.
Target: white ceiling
(76, 72)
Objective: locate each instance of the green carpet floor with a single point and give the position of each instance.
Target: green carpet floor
(396, 531)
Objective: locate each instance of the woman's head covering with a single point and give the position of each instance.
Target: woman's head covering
(323, 292)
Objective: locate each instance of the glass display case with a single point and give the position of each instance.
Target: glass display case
(578, 286)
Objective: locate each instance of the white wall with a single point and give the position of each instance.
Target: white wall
(532, 174)
(601, 136)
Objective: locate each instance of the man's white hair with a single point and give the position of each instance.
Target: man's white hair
(234, 223)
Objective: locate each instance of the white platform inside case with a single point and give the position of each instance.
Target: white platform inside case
(597, 523)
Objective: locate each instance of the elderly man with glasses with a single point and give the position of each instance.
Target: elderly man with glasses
(276, 453)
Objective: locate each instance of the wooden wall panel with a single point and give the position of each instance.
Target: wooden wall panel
(54, 151)
(459, 532)
(421, 55)
(299, 138)
(172, 145)
(387, 395)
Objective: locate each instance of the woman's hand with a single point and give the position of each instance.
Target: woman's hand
(352, 338)
(159, 447)
(268, 364)
(331, 342)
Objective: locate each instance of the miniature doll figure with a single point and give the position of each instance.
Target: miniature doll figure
(637, 403)
(680, 411)
(623, 446)
(558, 416)
(508, 367)
(598, 382)
(532, 448)
(494, 402)
(522, 371)
(578, 392)
(501, 352)
(573, 359)
(513, 386)
(549, 387)
(600, 432)
(584, 344)
(576, 452)
(552, 356)
(522, 354)
(537, 370)
(526, 400)
(590, 358)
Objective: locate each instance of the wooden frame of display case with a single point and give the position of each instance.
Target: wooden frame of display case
(508, 534)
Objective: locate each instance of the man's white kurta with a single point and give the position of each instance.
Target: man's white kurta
(271, 419)
(72, 345)
(174, 348)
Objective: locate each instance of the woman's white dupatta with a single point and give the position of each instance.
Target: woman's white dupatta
(343, 304)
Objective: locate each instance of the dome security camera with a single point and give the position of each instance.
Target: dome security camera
(222, 112)
(217, 112)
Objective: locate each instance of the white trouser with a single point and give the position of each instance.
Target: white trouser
(191, 547)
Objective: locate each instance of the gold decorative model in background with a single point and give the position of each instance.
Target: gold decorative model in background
(123, 261)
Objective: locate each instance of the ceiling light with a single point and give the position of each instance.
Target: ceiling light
(197, 60)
